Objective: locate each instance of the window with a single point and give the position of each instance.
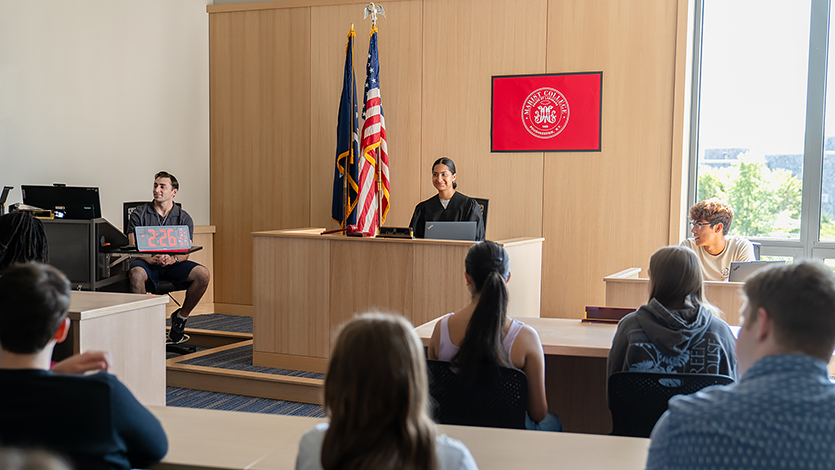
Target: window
(762, 143)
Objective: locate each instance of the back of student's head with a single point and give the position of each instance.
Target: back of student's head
(676, 277)
(22, 239)
(34, 300)
(376, 398)
(488, 265)
(19, 459)
(800, 300)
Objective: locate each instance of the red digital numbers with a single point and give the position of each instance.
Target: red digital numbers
(166, 238)
(153, 234)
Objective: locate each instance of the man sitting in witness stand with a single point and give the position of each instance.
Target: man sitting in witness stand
(23, 239)
(92, 419)
(184, 274)
(710, 221)
(781, 414)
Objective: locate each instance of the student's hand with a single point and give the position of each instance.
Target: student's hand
(157, 260)
(84, 362)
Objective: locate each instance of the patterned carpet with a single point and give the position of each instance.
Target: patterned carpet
(236, 359)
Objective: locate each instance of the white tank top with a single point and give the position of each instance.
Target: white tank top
(448, 350)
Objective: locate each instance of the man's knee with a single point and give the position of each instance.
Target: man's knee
(200, 275)
(137, 274)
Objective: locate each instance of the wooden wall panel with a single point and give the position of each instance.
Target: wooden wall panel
(465, 43)
(260, 135)
(610, 210)
(400, 81)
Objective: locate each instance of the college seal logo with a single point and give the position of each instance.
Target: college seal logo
(545, 113)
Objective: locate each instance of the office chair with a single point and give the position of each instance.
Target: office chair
(483, 204)
(757, 246)
(638, 399)
(490, 401)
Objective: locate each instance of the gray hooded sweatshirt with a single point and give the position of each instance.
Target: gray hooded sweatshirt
(687, 341)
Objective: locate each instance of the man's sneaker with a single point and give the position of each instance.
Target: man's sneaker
(176, 334)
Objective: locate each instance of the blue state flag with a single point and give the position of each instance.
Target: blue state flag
(347, 145)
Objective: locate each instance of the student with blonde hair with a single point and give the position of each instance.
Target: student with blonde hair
(376, 401)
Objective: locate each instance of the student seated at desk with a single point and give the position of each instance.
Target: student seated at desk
(711, 221)
(781, 413)
(23, 239)
(93, 419)
(486, 335)
(678, 330)
(376, 398)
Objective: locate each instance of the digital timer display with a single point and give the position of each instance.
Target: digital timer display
(163, 238)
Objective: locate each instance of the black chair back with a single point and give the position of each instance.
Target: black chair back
(489, 401)
(483, 204)
(638, 399)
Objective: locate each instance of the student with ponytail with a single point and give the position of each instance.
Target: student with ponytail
(484, 334)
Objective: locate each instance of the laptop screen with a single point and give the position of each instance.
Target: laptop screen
(451, 230)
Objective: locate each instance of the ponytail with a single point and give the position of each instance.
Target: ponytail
(488, 266)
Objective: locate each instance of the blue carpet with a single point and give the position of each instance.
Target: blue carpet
(240, 358)
(218, 322)
(188, 398)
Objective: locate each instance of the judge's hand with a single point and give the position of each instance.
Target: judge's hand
(161, 260)
(84, 362)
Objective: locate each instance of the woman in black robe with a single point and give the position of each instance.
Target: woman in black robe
(448, 205)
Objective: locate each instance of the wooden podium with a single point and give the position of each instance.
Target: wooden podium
(626, 289)
(306, 285)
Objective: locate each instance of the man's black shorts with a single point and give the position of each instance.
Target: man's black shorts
(176, 273)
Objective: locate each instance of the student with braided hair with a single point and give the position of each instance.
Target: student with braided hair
(22, 239)
(482, 333)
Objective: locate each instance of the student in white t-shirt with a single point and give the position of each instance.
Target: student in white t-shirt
(710, 221)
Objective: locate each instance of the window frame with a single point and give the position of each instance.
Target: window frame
(808, 245)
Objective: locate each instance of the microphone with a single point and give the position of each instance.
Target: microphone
(349, 229)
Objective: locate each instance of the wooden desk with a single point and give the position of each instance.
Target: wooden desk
(575, 370)
(626, 289)
(305, 285)
(132, 328)
(208, 439)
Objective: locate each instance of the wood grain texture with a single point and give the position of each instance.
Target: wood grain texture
(465, 43)
(604, 211)
(260, 135)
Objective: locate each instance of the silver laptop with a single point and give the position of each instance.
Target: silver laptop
(450, 230)
(742, 270)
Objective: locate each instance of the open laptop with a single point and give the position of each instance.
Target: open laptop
(742, 270)
(450, 230)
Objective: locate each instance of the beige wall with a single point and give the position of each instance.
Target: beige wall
(105, 93)
(276, 72)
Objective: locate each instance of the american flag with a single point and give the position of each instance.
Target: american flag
(373, 137)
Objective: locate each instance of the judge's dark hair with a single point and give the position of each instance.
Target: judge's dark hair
(450, 164)
(22, 239)
(164, 174)
(488, 265)
(34, 300)
(676, 280)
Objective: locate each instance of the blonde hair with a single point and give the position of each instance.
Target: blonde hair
(376, 398)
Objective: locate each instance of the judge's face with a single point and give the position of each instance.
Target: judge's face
(442, 178)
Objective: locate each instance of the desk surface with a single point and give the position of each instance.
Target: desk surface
(85, 305)
(559, 336)
(225, 439)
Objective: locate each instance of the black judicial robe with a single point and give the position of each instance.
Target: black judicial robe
(460, 208)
